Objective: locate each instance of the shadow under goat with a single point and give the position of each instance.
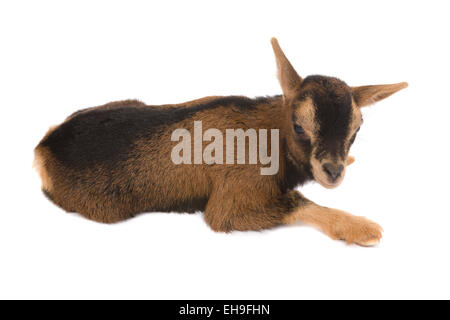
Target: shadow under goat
(114, 161)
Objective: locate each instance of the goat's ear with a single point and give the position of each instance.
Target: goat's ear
(289, 79)
(367, 95)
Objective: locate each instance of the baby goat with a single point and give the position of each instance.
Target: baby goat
(114, 161)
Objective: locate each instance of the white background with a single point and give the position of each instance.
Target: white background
(60, 56)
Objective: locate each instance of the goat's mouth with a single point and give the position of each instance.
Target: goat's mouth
(327, 184)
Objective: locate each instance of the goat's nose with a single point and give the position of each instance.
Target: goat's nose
(333, 170)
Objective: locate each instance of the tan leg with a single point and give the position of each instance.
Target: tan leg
(337, 224)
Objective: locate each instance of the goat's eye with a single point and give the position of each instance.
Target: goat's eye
(299, 129)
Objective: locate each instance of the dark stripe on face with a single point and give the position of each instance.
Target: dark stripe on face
(333, 114)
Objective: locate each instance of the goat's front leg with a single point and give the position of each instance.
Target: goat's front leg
(229, 210)
(335, 223)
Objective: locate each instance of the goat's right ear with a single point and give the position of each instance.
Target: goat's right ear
(290, 81)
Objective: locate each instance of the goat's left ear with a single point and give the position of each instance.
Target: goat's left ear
(367, 95)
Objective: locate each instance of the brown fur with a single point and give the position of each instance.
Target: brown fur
(41, 159)
(232, 196)
(367, 95)
(349, 160)
(184, 182)
(337, 224)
